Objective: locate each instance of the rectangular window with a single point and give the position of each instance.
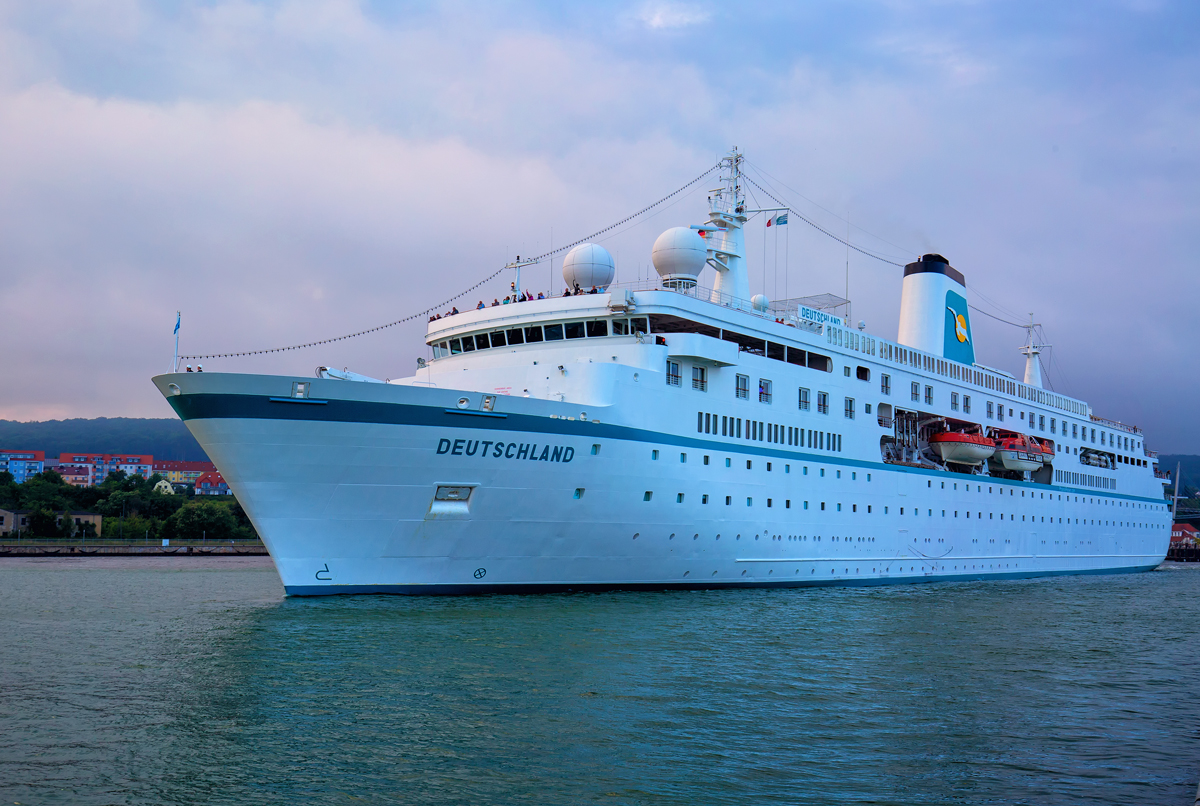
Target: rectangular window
(1041, 422)
(1000, 411)
(743, 386)
(553, 332)
(468, 344)
(574, 330)
(700, 424)
(885, 384)
(516, 336)
(849, 408)
(764, 390)
(822, 402)
(498, 339)
(929, 395)
(916, 391)
(954, 401)
(482, 342)
(639, 324)
(672, 372)
(863, 374)
(724, 425)
(1074, 430)
(966, 404)
(533, 334)
(620, 327)
(803, 399)
(700, 379)
(596, 328)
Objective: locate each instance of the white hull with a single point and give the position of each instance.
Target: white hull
(344, 505)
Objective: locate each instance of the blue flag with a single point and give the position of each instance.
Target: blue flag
(177, 321)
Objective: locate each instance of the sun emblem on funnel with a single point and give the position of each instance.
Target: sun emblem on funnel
(960, 325)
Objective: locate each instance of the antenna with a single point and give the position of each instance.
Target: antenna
(1175, 498)
(1031, 351)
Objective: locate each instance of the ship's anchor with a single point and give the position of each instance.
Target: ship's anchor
(324, 570)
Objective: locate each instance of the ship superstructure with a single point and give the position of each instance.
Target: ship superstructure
(656, 435)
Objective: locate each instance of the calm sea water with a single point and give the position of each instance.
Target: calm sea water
(195, 681)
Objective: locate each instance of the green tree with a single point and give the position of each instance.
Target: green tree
(45, 490)
(201, 519)
(43, 523)
(10, 493)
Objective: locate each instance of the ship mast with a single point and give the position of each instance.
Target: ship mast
(1032, 350)
(726, 236)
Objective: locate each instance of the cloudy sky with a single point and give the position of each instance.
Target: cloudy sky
(295, 170)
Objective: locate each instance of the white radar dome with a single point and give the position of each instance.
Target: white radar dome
(588, 265)
(760, 302)
(679, 256)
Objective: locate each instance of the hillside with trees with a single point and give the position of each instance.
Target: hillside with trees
(133, 510)
(164, 439)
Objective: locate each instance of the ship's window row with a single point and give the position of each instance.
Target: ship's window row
(666, 324)
(760, 431)
(1084, 479)
(680, 498)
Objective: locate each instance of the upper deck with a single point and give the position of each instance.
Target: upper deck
(755, 332)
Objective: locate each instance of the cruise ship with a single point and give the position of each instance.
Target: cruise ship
(658, 435)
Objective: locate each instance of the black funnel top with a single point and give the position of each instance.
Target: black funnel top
(935, 264)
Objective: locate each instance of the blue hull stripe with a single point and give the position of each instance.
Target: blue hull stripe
(254, 407)
(481, 589)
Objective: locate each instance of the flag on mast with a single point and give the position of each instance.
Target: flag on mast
(177, 321)
(777, 220)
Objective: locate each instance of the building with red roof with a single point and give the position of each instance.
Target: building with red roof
(212, 484)
(21, 463)
(102, 464)
(1185, 533)
(182, 472)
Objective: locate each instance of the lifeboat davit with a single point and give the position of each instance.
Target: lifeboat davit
(962, 449)
(1020, 453)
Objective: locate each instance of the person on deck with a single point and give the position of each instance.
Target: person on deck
(480, 306)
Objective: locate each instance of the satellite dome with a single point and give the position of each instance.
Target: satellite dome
(679, 256)
(760, 302)
(588, 265)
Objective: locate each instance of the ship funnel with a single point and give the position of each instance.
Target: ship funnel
(934, 317)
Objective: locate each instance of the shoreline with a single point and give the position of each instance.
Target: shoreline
(130, 550)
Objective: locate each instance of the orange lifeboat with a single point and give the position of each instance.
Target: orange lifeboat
(962, 449)
(1020, 453)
